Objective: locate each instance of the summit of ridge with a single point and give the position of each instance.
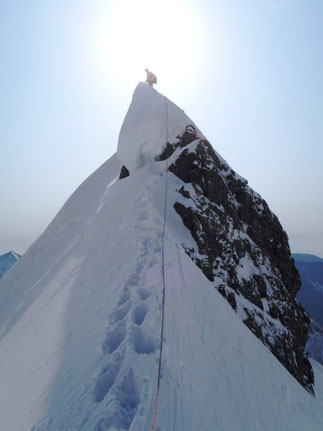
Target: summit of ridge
(152, 120)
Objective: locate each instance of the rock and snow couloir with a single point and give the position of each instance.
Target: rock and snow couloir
(80, 312)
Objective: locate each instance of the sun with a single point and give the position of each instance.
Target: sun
(132, 35)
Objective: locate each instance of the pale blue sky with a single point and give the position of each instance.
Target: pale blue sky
(248, 73)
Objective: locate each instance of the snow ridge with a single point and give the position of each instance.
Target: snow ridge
(80, 321)
(142, 135)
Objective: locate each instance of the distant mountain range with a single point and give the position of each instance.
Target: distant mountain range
(305, 257)
(311, 293)
(314, 346)
(7, 260)
(310, 296)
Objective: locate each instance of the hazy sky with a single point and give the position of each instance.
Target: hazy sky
(248, 73)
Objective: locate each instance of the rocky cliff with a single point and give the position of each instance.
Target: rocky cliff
(242, 248)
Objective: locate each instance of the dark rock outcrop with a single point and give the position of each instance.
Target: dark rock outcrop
(124, 173)
(242, 248)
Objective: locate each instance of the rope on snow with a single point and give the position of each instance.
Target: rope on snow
(153, 428)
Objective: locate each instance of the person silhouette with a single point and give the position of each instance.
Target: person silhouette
(151, 78)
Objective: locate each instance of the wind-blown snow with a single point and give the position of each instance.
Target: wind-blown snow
(80, 329)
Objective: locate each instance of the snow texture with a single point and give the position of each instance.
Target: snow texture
(80, 319)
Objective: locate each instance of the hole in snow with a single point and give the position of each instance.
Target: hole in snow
(140, 313)
(105, 382)
(124, 297)
(129, 400)
(144, 293)
(113, 339)
(120, 313)
(123, 407)
(133, 279)
(144, 343)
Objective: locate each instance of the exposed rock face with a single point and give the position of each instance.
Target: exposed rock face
(242, 248)
(124, 172)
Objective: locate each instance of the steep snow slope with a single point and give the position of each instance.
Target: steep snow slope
(7, 260)
(80, 329)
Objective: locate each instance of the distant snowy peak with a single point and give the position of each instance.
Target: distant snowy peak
(7, 261)
(151, 121)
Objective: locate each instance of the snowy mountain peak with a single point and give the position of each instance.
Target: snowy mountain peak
(80, 315)
(151, 121)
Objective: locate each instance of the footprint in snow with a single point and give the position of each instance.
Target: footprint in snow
(114, 338)
(143, 342)
(144, 293)
(124, 297)
(139, 313)
(107, 378)
(119, 313)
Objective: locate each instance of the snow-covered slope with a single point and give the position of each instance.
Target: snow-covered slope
(7, 260)
(80, 324)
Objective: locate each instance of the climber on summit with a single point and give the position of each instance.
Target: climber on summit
(151, 78)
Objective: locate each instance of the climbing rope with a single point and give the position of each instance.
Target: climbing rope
(153, 428)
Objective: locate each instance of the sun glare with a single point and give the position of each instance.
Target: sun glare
(133, 35)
